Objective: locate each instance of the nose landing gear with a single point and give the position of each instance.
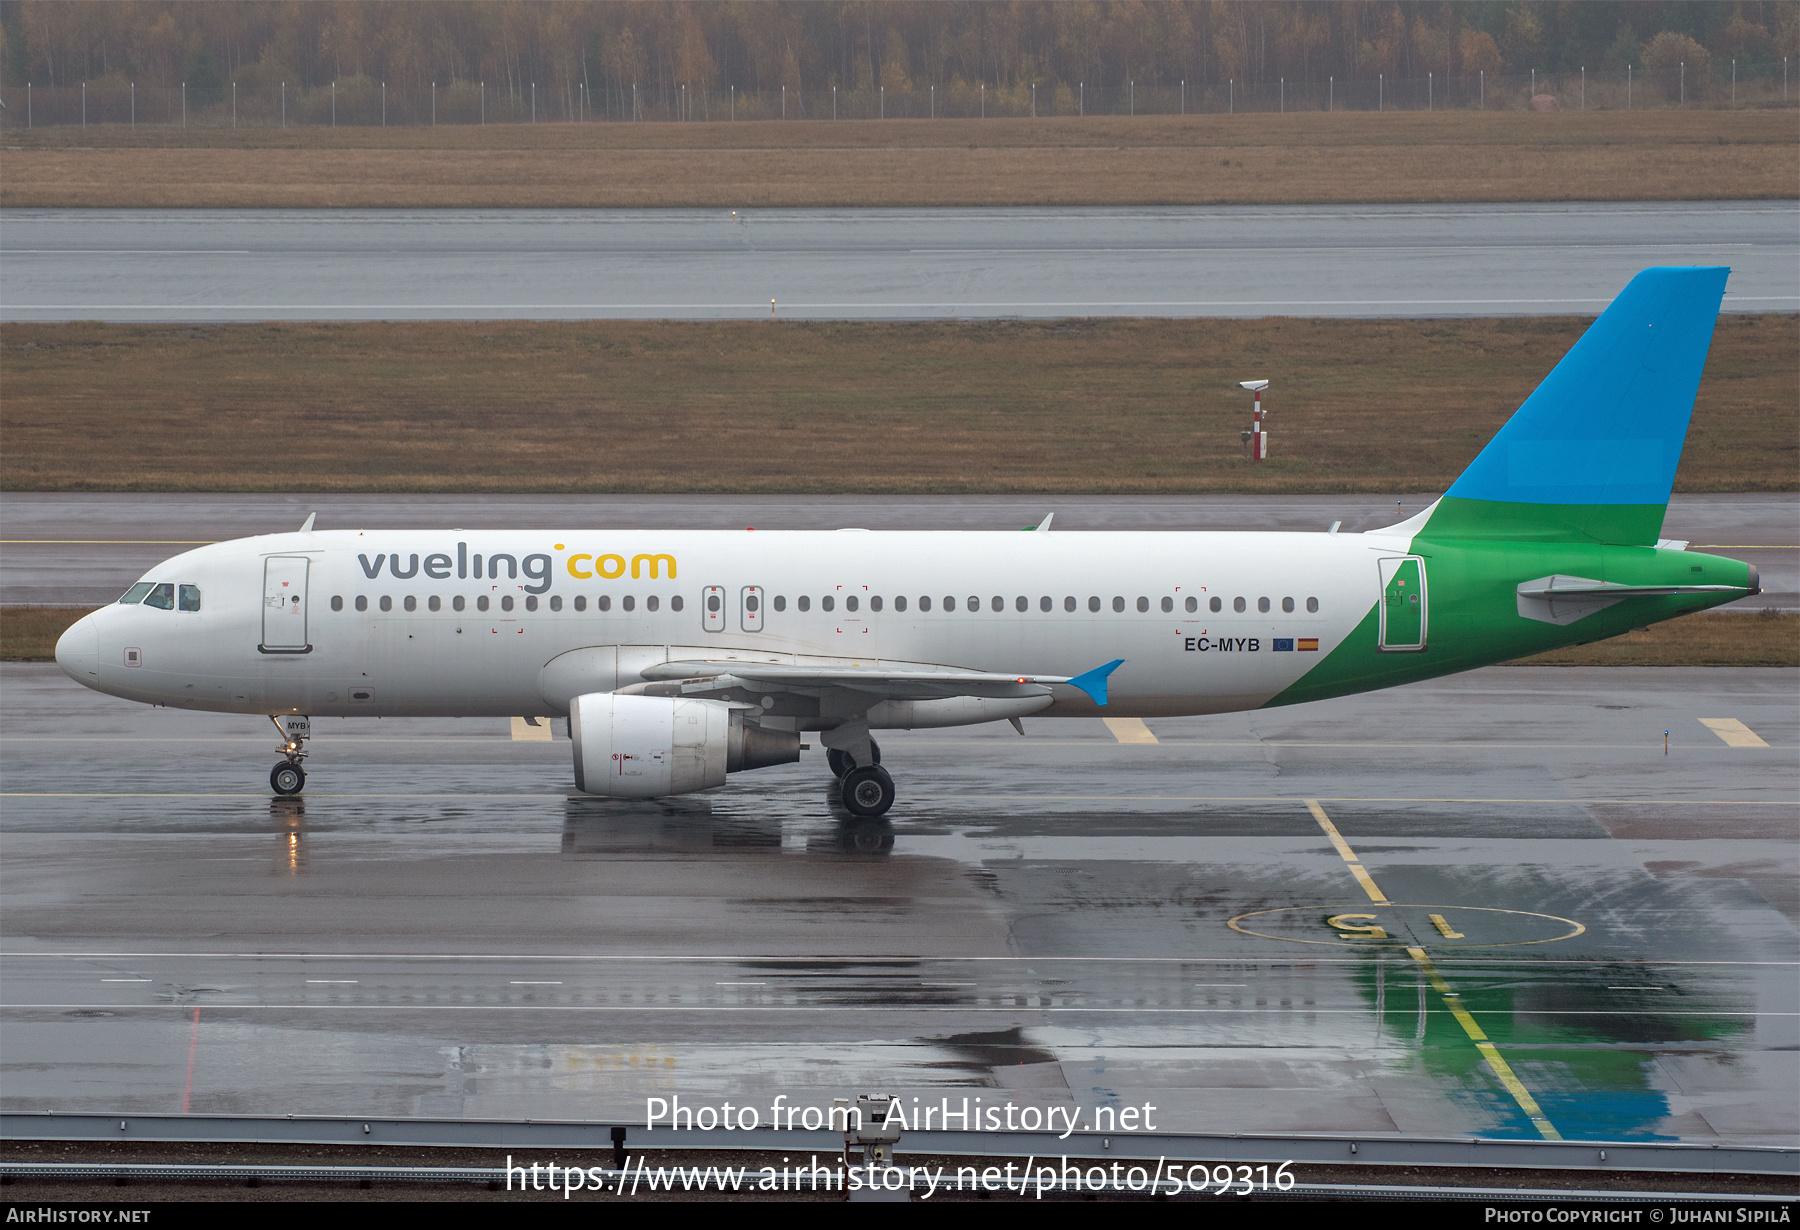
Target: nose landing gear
(288, 777)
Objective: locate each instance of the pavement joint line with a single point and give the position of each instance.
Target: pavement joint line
(799, 960)
(1025, 798)
(1006, 1006)
(1733, 732)
(1479, 1037)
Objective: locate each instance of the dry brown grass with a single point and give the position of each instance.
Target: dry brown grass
(29, 634)
(757, 406)
(1247, 159)
(1719, 638)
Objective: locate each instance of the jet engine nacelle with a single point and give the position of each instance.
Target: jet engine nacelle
(639, 747)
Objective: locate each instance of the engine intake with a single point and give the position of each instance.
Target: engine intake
(640, 747)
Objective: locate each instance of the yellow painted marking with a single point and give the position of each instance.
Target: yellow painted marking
(1734, 732)
(1489, 1052)
(524, 732)
(1444, 928)
(1129, 730)
(1349, 856)
(1342, 923)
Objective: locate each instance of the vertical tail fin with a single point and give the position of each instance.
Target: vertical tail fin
(1591, 455)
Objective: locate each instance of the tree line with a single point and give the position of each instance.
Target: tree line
(898, 45)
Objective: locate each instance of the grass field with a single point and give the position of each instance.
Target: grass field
(1346, 157)
(28, 634)
(786, 407)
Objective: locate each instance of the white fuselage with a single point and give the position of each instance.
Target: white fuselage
(401, 622)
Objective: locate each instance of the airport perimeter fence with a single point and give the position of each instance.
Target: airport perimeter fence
(365, 103)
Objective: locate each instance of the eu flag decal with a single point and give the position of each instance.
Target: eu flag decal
(1284, 644)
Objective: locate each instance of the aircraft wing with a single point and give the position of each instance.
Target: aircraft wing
(698, 678)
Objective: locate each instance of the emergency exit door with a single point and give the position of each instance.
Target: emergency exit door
(1404, 612)
(284, 604)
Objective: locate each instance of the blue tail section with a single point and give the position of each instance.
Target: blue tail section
(1607, 424)
(1094, 682)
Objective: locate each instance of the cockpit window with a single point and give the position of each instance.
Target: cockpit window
(190, 597)
(136, 593)
(162, 597)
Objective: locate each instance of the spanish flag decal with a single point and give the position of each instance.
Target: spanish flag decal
(1308, 642)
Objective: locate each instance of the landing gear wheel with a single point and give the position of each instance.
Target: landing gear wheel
(868, 791)
(287, 778)
(841, 762)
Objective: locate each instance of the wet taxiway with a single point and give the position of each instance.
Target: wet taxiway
(66, 549)
(879, 264)
(1484, 905)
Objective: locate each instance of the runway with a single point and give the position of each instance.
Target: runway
(879, 264)
(86, 549)
(1580, 936)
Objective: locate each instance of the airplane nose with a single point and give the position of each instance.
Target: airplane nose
(78, 651)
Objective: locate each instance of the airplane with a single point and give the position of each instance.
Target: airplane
(679, 658)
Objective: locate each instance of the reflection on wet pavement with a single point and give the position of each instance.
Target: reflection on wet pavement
(1486, 905)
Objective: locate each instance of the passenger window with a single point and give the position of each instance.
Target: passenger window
(457, 603)
(999, 603)
(581, 602)
(1143, 604)
(949, 602)
(506, 603)
(652, 602)
(387, 603)
(1215, 605)
(1262, 604)
(1094, 603)
(435, 603)
(603, 602)
(975, 603)
(628, 602)
(1287, 604)
(1193, 604)
(875, 603)
(362, 602)
(556, 603)
(162, 597)
(1118, 604)
(1237, 604)
(190, 597)
(135, 594)
(850, 603)
(1021, 603)
(780, 602)
(803, 602)
(1044, 603)
(337, 602)
(531, 602)
(826, 603)
(675, 603)
(1312, 605)
(412, 603)
(714, 603)
(481, 603)
(900, 603)
(1168, 604)
(924, 602)
(1069, 603)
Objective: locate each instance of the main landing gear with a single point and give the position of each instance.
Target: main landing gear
(288, 777)
(867, 789)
